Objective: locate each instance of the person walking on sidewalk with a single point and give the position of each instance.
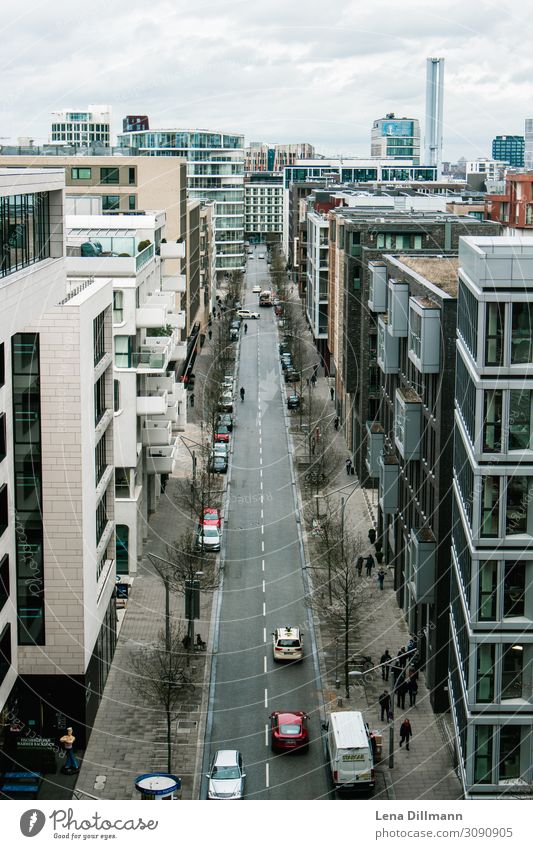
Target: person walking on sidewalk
(406, 732)
(401, 692)
(348, 465)
(359, 565)
(412, 688)
(385, 661)
(332, 393)
(369, 565)
(336, 422)
(401, 657)
(381, 577)
(384, 703)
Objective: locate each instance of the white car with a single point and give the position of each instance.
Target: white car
(247, 314)
(256, 290)
(208, 538)
(261, 256)
(287, 644)
(226, 775)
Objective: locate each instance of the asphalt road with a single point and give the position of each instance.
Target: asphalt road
(263, 582)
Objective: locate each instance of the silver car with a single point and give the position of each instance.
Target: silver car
(208, 538)
(226, 775)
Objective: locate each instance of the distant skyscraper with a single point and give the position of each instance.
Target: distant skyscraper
(528, 145)
(434, 110)
(509, 149)
(396, 138)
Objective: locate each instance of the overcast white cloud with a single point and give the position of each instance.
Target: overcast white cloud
(285, 70)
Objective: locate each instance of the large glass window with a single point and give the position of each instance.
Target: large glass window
(118, 306)
(522, 333)
(485, 673)
(512, 668)
(4, 580)
(99, 399)
(488, 584)
(122, 483)
(81, 173)
(514, 588)
(109, 176)
(510, 738)
(518, 488)
(101, 518)
(483, 754)
(494, 334)
(520, 435)
(110, 202)
(100, 459)
(99, 337)
(467, 318)
(490, 505)
(122, 557)
(116, 396)
(5, 651)
(24, 231)
(492, 420)
(123, 351)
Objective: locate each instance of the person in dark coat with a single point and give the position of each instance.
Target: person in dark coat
(412, 688)
(401, 692)
(348, 465)
(359, 566)
(384, 703)
(331, 393)
(401, 657)
(336, 422)
(381, 577)
(406, 732)
(385, 661)
(369, 565)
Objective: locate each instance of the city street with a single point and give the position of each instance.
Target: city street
(263, 581)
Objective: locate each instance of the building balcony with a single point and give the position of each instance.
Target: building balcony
(178, 352)
(161, 460)
(377, 293)
(398, 308)
(375, 437)
(424, 335)
(176, 319)
(150, 316)
(156, 433)
(174, 283)
(169, 414)
(172, 250)
(389, 476)
(422, 557)
(407, 423)
(388, 351)
(151, 403)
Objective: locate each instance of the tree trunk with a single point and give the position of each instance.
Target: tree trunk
(169, 743)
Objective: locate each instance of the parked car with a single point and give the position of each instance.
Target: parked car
(291, 375)
(211, 516)
(247, 314)
(293, 402)
(236, 324)
(233, 334)
(256, 290)
(261, 256)
(286, 361)
(288, 731)
(208, 538)
(218, 464)
(221, 449)
(221, 433)
(287, 644)
(284, 348)
(225, 404)
(226, 775)
(227, 420)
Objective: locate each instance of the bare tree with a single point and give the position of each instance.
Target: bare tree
(158, 676)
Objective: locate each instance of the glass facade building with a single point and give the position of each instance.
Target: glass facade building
(509, 149)
(24, 231)
(396, 138)
(215, 172)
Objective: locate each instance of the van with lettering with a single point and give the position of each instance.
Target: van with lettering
(349, 751)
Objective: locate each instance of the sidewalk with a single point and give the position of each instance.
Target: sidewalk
(425, 772)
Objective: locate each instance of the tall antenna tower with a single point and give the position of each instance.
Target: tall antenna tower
(434, 110)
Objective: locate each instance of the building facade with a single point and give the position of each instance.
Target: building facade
(491, 616)
(82, 128)
(514, 208)
(260, 156)
(316, 294)
(509, 149)
(528, 144)
(263, 204)
(396, 138)
(215, 172)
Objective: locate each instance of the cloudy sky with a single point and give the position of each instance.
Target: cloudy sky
(282, 70)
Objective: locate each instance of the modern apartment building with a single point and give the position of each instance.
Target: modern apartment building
(149, 402)
(57, 540)
(481, 171)
(409, 443)
(509, 149)
(491, 617)
(215, 172)
(260, 156)
(316, 294)
(396, 138)
(364, 236)
(514, 208)
(208, 273)
(263, 208)
(92, 126)
(528, 144)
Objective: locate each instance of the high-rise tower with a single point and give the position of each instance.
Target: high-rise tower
(434, 108)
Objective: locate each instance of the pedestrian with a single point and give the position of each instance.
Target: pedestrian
(68, 740)
(348, 466)
(401, 657)
(332, 393)
(384, 703)
(371, 536)
(396, 670)
(315, 370)
(406, 732)
(210, 334)
(359, 566)
(336, 422)
(369, 565)
(385, 661)
(412, 687)
(401, 692)
(192, 399)
(381, 577)
(313, 380)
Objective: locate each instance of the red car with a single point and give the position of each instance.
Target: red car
(211, 517)
(221, 434)
(288, 731)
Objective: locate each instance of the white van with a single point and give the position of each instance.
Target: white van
(349, 751)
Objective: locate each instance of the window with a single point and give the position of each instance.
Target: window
(520, 419)
(488, 582)
(99, 399)
(494, 334)
(509, 766)
(132, 201)
(81, 173)
(4, 580)
(522, 333)
(118, 306)
(518, 498)
(5, 652)
(483, 754)
(101, 518)
(109, 176)
(132, 176)
(514, 589)
(4, 519)
(122, 556)
(123, 351)
(2, 436)
(99, 337)
(490, 506)
(492, 420)
(24, 231)
(100, 460)
(122, 483)
(110, 202)
(485, 673)
(116, 396)
(2, 365)
(512, 667)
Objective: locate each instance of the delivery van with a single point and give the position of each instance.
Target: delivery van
(349, 751)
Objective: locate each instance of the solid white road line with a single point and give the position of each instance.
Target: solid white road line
(267, 776)
(264, 609)
(262, 545)
(266, 697)
(265, 664)
(262, 529)
(264, 635)
(266, 734)
(264, 587)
